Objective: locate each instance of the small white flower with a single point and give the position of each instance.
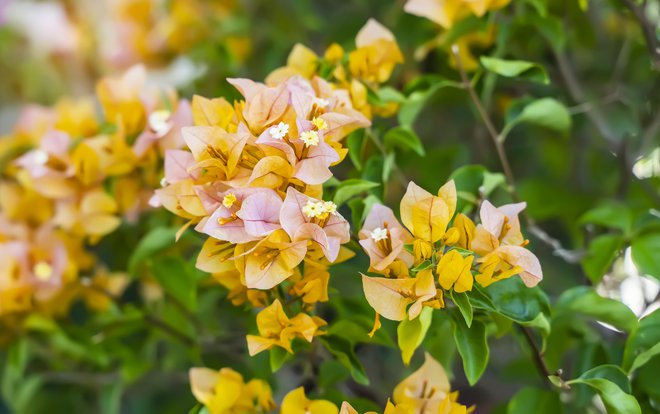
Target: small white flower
(322, 103)
(329, 207)
(310, 138)
(163, 182)
(279, 131)
(159, 122)
(40, 156)
(313, 209)
(43, 271)
(379, 234)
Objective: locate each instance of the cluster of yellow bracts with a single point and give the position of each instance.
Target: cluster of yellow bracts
(426, 391)
(69, 179)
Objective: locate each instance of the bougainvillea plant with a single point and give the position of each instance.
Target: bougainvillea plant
(408, 217)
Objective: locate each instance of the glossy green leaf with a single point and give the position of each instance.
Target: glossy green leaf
(472, 345)
(405, 138)
(153, 242)
(600, 254)
(537, 401)
(175, 279)
(351, 188)
(462, 302)
(642, 339)
(610, 215)
(277, 357)
(343, 351)
(583, 300)
(545, 112)
(411, 333)
(616, 400)
(355, 144)
(645, 250)
(515, 69)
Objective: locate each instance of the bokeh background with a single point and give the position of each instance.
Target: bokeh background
(599, 68)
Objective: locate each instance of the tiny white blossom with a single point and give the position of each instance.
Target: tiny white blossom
(329, 207)
(322, 103)
(40, 156)
(279, 131)
(159, 122)
(312, 209)
(379, 234)
(310, 138)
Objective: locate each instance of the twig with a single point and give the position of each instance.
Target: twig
(497, 139)
(165, 327)
(648, 31)
(400, 176)
(537, 354)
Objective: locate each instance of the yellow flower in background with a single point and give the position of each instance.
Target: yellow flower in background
(296, 402)
(376, 55)
(427, 391)
(276, 329)
(225, 392)
(447, 12)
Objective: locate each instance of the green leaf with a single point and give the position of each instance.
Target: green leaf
(545, 112)
(355, 144)
(515, 69)
(601, 253)
(332, 372)
(645, 357)
(405, 138)
(351, 188)
(415, 102)
(171, 273)
(611, 215)
(156, 240)
(277, 357)
(616, 400)
(410, 334)
(645, 250)
(583, 300)
(533, 400)
(463, 303)
(645, 337)
(342, 349)
(511, 298)
(472, 345)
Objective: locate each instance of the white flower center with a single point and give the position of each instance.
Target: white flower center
(279, 131)
(158, 122)
(310, 138)
(40, 156)
(379, 234)
(319, 209)
(43, 271)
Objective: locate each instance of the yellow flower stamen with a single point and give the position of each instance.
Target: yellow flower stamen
(43, 271)
(320, 124)
(229, 200)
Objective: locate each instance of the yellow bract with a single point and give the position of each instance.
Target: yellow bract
(225, 392)
(276, 329)
(296, 402)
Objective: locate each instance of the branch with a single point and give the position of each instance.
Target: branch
(496, 137)
(537, 354)
(648, 31)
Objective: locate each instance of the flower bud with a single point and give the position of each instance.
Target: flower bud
(422, 250)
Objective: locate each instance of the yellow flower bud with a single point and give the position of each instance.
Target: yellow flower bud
(422, 250)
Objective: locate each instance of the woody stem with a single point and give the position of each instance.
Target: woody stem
(492, 131)
(498, 141)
